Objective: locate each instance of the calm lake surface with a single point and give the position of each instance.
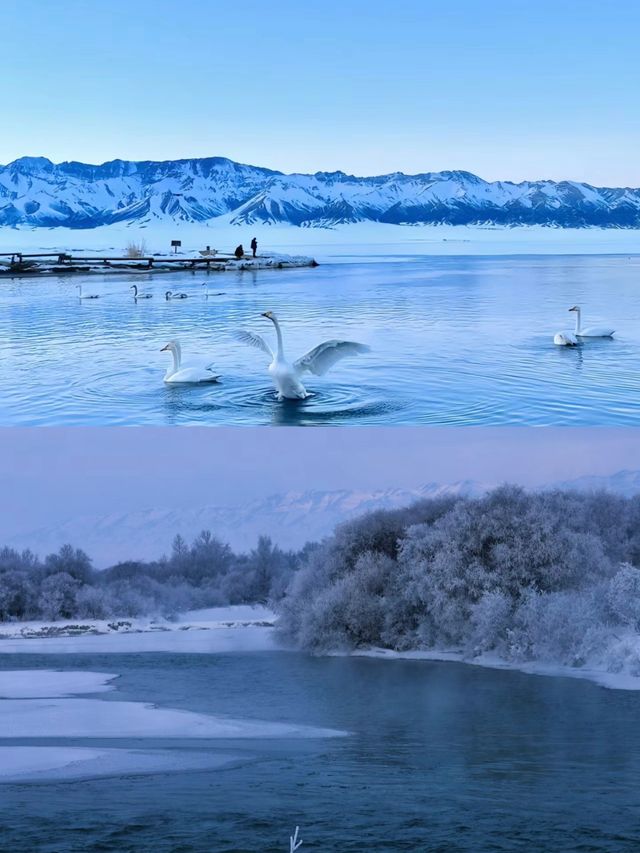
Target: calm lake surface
(455, 340)
(441, 757)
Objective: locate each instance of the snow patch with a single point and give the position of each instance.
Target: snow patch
(40, 683)
(95, 718)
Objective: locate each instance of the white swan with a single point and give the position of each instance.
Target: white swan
(171, 295)
(138, 294)
(82, 295)
(286, 375)
(592, 331)
(565, 339)
(186, 374)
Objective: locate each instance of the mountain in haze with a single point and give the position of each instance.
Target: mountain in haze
(625, 483)
(34, 191)
(291, 519)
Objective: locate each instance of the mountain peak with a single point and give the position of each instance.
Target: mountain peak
(31, 164)
(83, 195)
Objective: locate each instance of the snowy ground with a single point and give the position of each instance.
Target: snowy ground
(218, 629)
(342, 243)
(596, 672)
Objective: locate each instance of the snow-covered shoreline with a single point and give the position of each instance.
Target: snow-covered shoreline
(610, 680)
(236, 628)
(78, 266)
(339, 244)
(215, 630)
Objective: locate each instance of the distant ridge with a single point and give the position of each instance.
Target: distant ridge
(36, 192)
(291, 519)
(625, 483)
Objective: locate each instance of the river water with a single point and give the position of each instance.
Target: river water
(440, 757)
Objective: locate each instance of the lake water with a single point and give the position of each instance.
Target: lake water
(441, 757)
(454, 341)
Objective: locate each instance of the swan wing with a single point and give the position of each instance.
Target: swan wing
(253, 341)
(321, 358)
(192, 376)
(597, 332)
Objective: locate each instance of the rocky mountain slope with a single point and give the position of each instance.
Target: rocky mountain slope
(34, 191)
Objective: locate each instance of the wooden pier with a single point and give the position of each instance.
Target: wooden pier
(19, 264)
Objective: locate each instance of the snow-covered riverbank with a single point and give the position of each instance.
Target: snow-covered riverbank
(623, 680)
(236, 628)
(218, 629)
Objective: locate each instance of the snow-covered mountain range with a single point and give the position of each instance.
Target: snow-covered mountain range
(625, 483)
(34, 191)
(290, 519)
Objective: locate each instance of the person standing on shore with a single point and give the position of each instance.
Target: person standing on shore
(254, 246)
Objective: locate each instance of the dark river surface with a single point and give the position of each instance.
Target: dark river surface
(440, 757)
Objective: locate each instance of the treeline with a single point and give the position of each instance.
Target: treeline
(205, 573)
(528, 576)
(542, 576)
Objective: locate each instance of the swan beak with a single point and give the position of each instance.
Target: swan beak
(266, 314)
(165, 348)
(574, 308)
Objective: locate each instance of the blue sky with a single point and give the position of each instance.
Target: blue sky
(52, 474)
(509, 89)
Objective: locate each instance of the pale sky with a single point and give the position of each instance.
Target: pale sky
(52, 474)
(508, 89)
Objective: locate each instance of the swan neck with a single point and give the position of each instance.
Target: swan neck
(177, 356)
(578, 322)
(279, 336)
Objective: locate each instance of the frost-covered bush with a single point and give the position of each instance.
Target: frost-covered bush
(490, 621)
(622, 597)
(57, 599)
(558, 627)
(547, 576)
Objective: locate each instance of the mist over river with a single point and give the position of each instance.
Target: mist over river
(439, 756)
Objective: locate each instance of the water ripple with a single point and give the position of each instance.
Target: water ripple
(454, 341)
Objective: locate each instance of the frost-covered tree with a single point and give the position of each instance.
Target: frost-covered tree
(57, 598)
(524, 575)
(204, 573)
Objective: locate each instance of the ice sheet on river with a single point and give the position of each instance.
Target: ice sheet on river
(37, 763)
(38, 711)
(37, 718)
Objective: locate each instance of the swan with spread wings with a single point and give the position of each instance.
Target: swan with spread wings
(285, 374)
